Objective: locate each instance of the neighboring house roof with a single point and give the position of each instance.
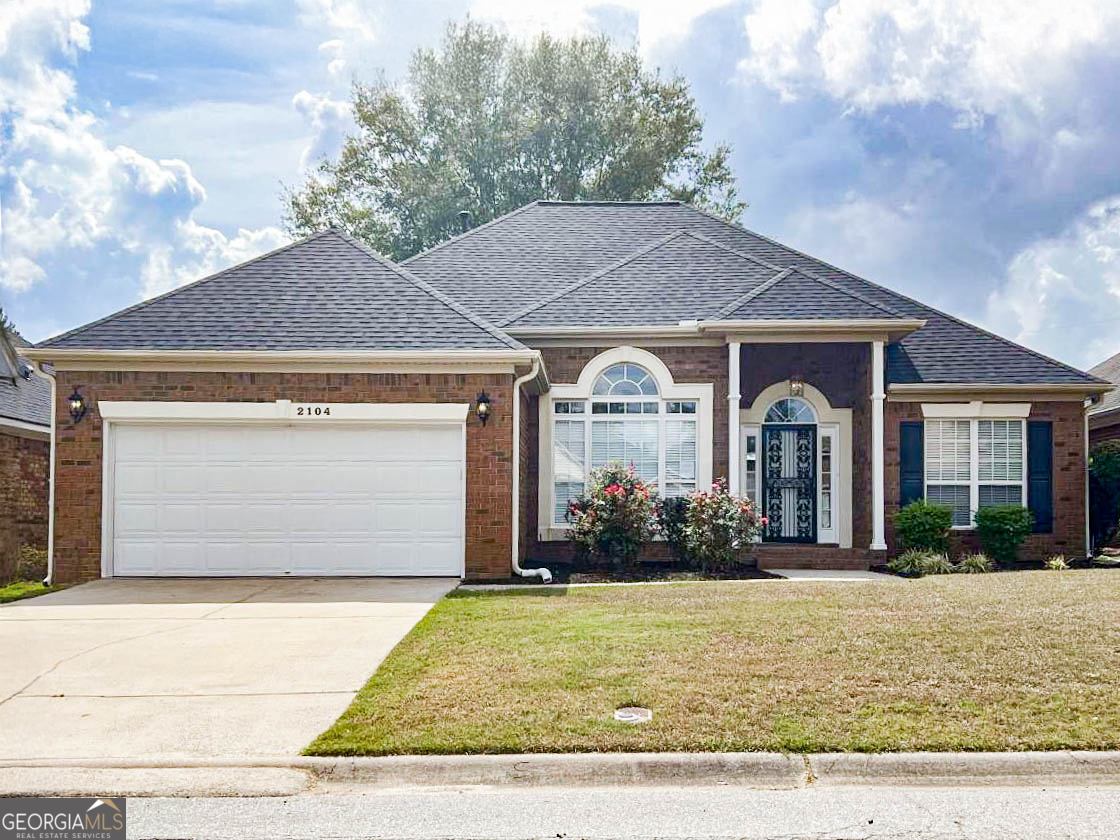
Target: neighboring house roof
(325, 292)
(510, 270)
(23, 396)
(1108, 370)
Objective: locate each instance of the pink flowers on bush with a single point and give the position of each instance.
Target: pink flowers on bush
(618, 515)
(614, 519)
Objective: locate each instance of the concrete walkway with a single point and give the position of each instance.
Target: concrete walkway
(829, 575)
(187, 668)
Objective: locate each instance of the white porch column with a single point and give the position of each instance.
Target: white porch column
(878, 529)
(733, 416)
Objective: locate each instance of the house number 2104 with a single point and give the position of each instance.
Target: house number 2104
(313, 411)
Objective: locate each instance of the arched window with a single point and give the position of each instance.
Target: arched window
(625, 381)
(624, 414)
(790, 410)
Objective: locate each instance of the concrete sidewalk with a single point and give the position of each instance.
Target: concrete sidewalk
(773, 771)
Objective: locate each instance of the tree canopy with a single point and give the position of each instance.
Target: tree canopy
(486, 124)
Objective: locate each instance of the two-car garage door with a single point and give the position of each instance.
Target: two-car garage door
(276, 499)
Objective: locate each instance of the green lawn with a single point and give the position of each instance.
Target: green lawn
(23, 589)
(1015, 661)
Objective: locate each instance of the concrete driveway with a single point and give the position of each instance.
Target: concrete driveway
(194, 668)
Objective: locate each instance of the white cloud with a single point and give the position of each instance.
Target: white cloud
(660, 22)
(1062, 295)
(1013, 59)
(69, 198)
(329, 118)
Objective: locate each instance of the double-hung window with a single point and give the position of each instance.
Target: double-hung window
(625, 421)
(970, 464)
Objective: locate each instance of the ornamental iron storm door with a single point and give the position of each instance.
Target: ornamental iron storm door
(789, 484)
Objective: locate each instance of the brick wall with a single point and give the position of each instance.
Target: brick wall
(489, 456)
(24, 480)
(842, 372)
(1068, 536)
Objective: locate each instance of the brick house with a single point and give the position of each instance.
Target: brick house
(1104, 415)
(25, 424)
(321, 410)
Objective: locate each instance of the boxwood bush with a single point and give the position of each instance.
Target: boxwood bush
(924, 526)
(1002, 529)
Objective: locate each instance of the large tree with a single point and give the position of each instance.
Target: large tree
(486, 124)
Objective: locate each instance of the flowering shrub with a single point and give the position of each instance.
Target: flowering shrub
(719, 528)
(614, 519)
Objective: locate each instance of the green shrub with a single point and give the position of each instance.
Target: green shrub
(975, 564)
(614, 519)
(935, 564)
(907, 563)
(1002, 529)
(710, 530)
(672, 516)
(1104, 491)
(1056, 563)
(32, 564)
(924, 526)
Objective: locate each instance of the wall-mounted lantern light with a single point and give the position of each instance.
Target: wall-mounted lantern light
(482, 407)
(796, 387)
(78, 407)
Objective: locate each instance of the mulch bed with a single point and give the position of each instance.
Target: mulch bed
(647, 572)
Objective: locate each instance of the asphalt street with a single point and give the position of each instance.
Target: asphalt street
(816, 812)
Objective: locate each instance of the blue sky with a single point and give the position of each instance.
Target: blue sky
(966, 154)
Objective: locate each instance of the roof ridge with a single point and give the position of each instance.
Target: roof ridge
(171, 292)
(424, 286)
(604, 202)
(885, 290)
(824, 281)
(595, 275)
(751, 294)
(741, 254)
(461, 236)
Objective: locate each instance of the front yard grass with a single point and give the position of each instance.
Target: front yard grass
(1029, 660)
(23, 589)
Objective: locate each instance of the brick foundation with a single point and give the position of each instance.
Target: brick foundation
(489, 456)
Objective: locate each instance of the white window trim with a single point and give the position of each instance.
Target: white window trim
(974, 481)
(702, 393)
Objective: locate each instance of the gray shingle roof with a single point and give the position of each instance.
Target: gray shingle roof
(26, 398)
(1108, 370)
(324, 292)
(501, 268)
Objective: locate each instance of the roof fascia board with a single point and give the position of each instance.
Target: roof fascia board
(21, 428)
(389, 361)
(808, 329)
(911, 391)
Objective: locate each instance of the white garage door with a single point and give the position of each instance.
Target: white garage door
(206, 499)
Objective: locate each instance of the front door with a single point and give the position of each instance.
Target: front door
(789, 482)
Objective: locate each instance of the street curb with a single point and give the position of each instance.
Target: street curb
(165, 777)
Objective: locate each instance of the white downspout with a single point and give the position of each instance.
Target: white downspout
(38, 369)
(544, 574)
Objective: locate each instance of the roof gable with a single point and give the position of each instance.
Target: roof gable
(1109, 371)
(512, 264)
(324, 292)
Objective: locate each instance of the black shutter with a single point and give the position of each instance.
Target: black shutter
(911, 463)
(1040, 483)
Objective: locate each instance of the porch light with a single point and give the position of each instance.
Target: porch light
(78, 407)
(482, 407)
(796, 387)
